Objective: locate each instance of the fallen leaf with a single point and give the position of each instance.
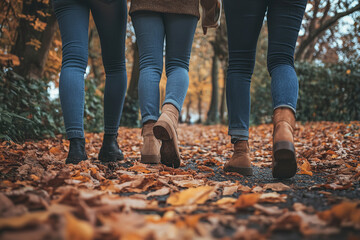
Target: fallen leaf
(55, 150)
(190, 196)
(230, 190)
(247, 200)
(276, 186)
(161, 192)
(226, 200)
(305, 168)
(77, 229)
(272, 197)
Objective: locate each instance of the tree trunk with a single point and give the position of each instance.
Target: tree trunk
(223, 96)
(188, 105)
(200, 107)
(33, 58)
(130, 117)
(213, 114)
(135, 73)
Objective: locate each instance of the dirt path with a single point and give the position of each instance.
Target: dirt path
(42, 198)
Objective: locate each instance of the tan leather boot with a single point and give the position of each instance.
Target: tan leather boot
(240, 161)
(284, 158)
(165, 130)
(150, 151)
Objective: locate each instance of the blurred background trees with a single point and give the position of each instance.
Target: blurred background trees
(327, 62)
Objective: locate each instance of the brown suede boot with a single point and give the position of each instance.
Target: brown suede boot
(240, 160)
(165, 130)
(284, 158)
(150, 151)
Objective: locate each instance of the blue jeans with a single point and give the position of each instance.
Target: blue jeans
(110, 18)
(151, 28)
(244, 20)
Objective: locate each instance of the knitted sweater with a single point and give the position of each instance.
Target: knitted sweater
(189, 7)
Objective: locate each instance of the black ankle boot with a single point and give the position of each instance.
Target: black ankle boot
(110, 151)
(77, 151)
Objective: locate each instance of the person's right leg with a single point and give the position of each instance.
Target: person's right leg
(179, 31)
(150, 32)
(284, 21)
(110, 19)
(244, 20)
(73, 19)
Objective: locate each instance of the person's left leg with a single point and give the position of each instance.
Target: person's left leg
(179, 31)
(110, 18)
(284, 21)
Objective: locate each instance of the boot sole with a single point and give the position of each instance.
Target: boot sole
(284, 160)
(246, 171)
(150, 159)
(168, 151)
(74, 161)
(110, 158)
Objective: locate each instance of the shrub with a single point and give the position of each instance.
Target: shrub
(330, 93)
(93, 109)
(26, 112)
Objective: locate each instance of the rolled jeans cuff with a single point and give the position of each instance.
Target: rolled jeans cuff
(239, 133)
(286, 106)
(147, 118)
(75, 134)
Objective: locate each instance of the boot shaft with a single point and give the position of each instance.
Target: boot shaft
(171, 112)
(241, 146)
(284, 124)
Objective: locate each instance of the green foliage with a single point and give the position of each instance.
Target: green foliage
(329, 93)
(93, 109)
(130, 115)
(326, 93)
(26, 112)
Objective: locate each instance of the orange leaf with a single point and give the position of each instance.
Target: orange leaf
(78, 229)
(190, 196)
(55, 150)
(305, 168)
(139, 168)
(247, 200)
(345, 211)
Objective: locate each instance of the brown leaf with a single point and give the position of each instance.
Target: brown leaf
(247, 200)
(230, 190)
(161, 192)
(190, 196)
(77, 229)
(55, 150)
(276, 186)
(305, 168)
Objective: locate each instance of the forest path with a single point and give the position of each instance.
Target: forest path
(42, 198)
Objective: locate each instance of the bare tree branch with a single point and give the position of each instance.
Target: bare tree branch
(326, 25)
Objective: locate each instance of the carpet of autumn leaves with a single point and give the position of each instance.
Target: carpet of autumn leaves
(42, 198)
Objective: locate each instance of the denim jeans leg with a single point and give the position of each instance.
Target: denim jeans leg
(150, 33)
(244, 20)
(110, 19)
(73, 19)
(179, 31)
(284, 21)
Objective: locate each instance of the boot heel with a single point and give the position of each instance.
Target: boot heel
(162, 131)
(284, 160)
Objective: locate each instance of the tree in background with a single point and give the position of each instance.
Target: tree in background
(325, 35)
(219, 45)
